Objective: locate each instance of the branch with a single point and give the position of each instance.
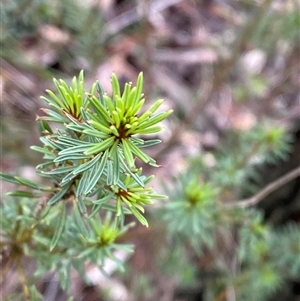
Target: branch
(267, 190)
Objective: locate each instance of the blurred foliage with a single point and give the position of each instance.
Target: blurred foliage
(248, 255)
(80, 23)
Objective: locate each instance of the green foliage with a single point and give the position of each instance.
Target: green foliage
(174, 261)
(268, 256)
(248, 255)
(192, 209)
(91, 150)
(24, 18)
(277, 23)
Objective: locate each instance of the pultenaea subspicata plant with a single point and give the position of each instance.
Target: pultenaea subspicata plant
(92, 144)
(95, 155)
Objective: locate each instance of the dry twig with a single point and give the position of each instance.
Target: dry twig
(266, 191)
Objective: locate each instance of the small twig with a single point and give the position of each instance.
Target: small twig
(23, 280)
(265, 191)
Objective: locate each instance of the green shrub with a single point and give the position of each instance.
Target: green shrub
(92, 145)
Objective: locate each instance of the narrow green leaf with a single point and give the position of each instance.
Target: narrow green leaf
(133, 128)
(144, 116)
(64, 274)
(158, 196)
(42, 150)
(44, 127)
(115, 85)
(82, 184)
(68, 98)
(102, 146)
(150, 130)
(44, 165)
(139, 153)
(139, 216)
(49, 142)
(125, 96)
(95, 133)
(100, 126)
(131, 98)
(28, 183)
(156, 105)
(137, 140)
(139, 88)
(76, 96)
(103, 200)
(60, 228)
(136, 177)
(100, 92)
(22, 193)
(59, 170)
(109, 172)
(96, 117)
(109, 103)
(149, 143)
(9, 178)
(119, 106)
(81, 81)
(95, 210)
(62, 144)
(116, 118)
(96, 173)
(83, 113)
(114, 131)
(71, 157)
(87, 165)
(119, 208)
(87, 253)
(51, 102)
(61, 103)
(126, 201)
(68, 178)
(121, 185)
(56, 116)
(127, 153)
(63, 99)
(59, 195)
(81, 204)
(76, 127)
(76, 149)
(154, 119)
(79, 221)
(135, 109)
(71, 141)
(116, 164)
(99, 107)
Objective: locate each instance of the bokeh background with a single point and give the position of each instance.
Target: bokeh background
(221, 65)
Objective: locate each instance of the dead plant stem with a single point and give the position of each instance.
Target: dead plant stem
(293, 174)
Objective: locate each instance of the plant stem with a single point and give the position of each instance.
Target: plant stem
(293, 174)
(23, 280)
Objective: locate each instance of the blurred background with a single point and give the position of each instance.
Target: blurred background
(223, 66)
